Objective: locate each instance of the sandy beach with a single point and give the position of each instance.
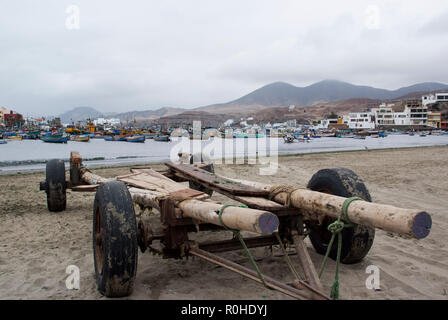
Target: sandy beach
(36, 245)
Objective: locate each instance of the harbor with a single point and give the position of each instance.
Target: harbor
(29, 155)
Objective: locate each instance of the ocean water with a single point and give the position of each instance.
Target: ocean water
(28, 155)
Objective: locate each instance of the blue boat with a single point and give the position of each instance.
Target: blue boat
(57, 138)
(140, 139)
(162, 138)
(115, 138)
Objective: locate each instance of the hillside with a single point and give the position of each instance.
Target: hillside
(281, 94)
(80, 114)
(270, 103)
(83, 113)
(148, 114)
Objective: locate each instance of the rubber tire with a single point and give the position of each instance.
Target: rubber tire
(56, 185)
(119, 233)
(199, 157)
(356, 241)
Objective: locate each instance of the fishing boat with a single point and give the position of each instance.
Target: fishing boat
(3, 142)
(55, 138)
(120, 138)
(16, 138)
(80, 138)
(328, 135)
(163, 138)
(115, 138)
(359, 137)
(149, 135)
(31, 135)
(382, 135)
(303, 139)
(140, 139)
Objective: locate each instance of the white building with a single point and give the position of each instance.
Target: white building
(110, 122)
(292, 123)
(3, 111)
(361, 120)
(418, 114)
(402, 118)
(325, 123)
(280, 125)
(438, 97)
(384, 115)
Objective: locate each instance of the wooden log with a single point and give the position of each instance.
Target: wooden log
(91, 178)
(244, 219)
(75, 165)
(258, 221)
(407, 222)
(146, 198)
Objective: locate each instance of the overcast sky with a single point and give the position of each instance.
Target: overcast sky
(136, 55)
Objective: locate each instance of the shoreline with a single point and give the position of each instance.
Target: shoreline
(282, 155)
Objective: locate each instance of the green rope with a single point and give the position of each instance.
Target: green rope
(287, 259)
(336, 228)
(237, 234)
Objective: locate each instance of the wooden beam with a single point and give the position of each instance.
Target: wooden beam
(407, 222)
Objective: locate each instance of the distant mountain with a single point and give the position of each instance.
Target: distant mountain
(311, 101)
(83, 113)
(283, 94)
(80, 114)
(148, 114)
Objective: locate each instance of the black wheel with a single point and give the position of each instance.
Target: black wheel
(56, 185)
(201, 158)
(356, 241)
(114, 240)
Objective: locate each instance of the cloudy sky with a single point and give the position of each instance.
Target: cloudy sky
(136, 55)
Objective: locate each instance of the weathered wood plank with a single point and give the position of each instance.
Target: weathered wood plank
(211, 179)
(147, 181)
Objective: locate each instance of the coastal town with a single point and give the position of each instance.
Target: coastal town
(428, 115)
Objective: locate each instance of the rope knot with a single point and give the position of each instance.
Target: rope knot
(276, 190)
(336, 227)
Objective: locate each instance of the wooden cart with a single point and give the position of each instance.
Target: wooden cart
(274, 215)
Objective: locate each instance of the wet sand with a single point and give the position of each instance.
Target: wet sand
(36, 246)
